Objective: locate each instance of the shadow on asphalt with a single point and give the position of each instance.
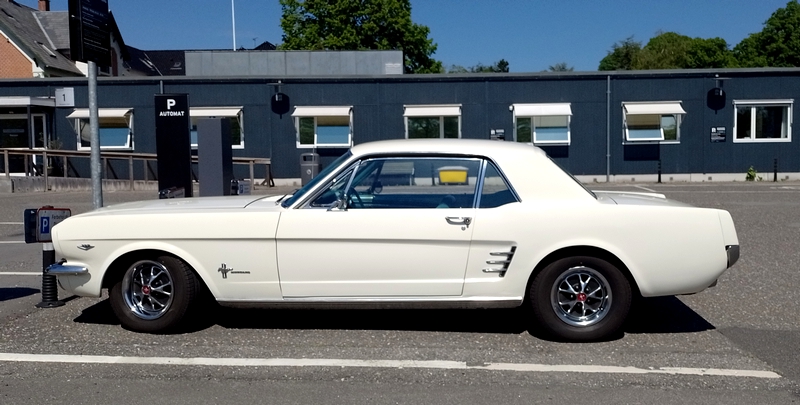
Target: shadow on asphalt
(100, 314)
(12, 293)
(664, 315)
(650, 315)
(444, 320)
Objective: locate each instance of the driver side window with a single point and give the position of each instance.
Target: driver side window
(405, 183)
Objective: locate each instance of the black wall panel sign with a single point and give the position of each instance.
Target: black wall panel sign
(89, 38)
(173, 142)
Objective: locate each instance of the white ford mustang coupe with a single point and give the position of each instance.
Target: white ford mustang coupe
(420, 223)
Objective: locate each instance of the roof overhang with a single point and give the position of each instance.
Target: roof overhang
(208, 112)
(83, 113)
(541, 109)
(432, 110)
(665, 107)
(322, 111)
(24, 101)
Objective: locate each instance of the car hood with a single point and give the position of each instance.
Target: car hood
(181, 204)
(634, 198)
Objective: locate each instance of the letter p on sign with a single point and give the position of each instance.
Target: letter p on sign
(170, 103)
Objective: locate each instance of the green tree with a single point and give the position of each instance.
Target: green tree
(666, 50)
(358, 25)
(669, 50)
(622, 55)
(500, 66)
(560, 67)
(777, 45)
(709, 53)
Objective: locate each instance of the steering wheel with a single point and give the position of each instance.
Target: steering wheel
(353, 193)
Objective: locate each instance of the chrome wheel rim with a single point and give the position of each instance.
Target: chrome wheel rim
(581, 296)
(147, 289)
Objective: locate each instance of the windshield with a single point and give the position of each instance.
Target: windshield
(313, 183)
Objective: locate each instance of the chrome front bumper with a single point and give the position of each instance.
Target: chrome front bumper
(60, 269)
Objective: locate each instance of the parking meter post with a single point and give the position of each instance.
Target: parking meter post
(49, 282)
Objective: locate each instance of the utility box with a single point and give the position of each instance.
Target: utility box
(309, 167)
(214, 156)
(240, 187)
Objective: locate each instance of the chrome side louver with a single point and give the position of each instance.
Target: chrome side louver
(500, 266)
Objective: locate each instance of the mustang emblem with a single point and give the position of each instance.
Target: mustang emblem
(85, 246)
(224, 269)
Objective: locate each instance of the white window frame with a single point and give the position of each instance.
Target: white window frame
(322, 111)
(81, 117)
(220, 112)
(433, 111)
(543, 110)
(787, 103)
(653, 108)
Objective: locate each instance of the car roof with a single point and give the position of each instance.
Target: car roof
(482, 147)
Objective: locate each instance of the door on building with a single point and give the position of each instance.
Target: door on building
(17, 133)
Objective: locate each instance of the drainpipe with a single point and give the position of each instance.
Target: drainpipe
(608, 128)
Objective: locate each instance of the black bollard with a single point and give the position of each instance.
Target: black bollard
(49, 281)
(659, 170)
(775, 170)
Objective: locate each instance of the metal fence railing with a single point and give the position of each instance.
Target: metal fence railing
(60, 163)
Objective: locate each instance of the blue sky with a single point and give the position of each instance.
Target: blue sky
(530, 34)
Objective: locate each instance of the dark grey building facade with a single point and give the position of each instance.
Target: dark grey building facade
(595, 124)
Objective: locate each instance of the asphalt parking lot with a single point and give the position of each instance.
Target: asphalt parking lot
(736, 343)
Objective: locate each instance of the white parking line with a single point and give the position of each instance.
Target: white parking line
(646, 189)
(8, 242)
(11, 223)
(20, 273)
(428, 364)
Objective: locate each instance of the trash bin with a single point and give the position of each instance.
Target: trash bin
(309, 167)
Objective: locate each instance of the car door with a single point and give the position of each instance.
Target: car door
(387, 227)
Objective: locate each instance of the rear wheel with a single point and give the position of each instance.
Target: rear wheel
(154, 294)
(580, 299)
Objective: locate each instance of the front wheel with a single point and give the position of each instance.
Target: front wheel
(154, 294)
(580, 299)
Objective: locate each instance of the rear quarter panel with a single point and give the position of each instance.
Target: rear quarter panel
(668, 250)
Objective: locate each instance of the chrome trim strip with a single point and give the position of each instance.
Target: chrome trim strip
(501, 253)
(505, 262)
(59, 269)
(491, 270)
(380, 303)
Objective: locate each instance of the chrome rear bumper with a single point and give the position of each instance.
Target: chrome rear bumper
(733, 254)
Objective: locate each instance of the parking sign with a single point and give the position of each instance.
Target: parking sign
(48, 217)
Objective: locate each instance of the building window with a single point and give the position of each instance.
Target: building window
(233, 113)
(432, 121)
(652, 121)
(116, 128)
(762, 120)
(542, 123)
(324, 127)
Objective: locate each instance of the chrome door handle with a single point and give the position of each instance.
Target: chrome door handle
(458, 220)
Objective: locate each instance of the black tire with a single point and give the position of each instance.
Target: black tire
(155, 294)
(580, 299)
